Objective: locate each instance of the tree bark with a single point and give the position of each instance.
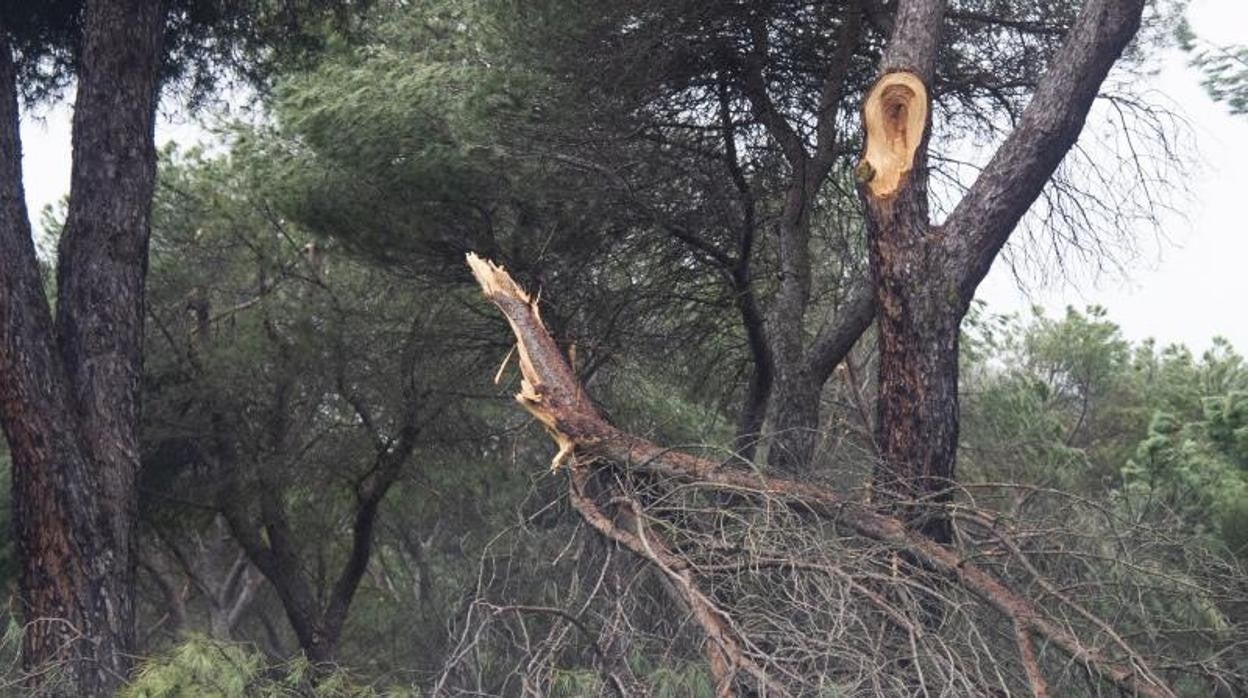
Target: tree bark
(799, 371)
(796, 403)
(69, 393)
(925, 276)
(917, 317)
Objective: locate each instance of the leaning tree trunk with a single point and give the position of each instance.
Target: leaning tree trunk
(69, 393)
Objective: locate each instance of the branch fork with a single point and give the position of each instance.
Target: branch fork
(550, 392)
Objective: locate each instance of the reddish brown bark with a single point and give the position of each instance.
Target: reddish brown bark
(925, 276)
(69, 392)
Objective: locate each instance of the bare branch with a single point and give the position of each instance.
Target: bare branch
(1015, 176)
(557, 401)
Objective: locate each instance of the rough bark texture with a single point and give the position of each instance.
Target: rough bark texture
(69, 392)
(587, 441)
(917, 411)
(925, 276)
(52, 472)
(917, 319)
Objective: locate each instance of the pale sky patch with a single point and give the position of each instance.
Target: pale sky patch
(1196, 286)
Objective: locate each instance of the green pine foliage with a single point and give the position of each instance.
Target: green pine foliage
(1225, 69)
(203, 668)
(1069, 403)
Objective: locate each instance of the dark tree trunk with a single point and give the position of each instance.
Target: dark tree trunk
(69, 396)
(318, 626)
(926, 276)
(266, 538)
(796, 398)
(795, 421)
(918, 308)
(753, 411)
(265, 534)
(917, 410)
(795, 403)
(101, 270)
(799, 371)
(758, 390)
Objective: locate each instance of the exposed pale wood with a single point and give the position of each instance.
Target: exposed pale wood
(550, 392)
(547, 383)
(895, 116)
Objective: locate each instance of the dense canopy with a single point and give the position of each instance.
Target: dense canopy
(260, 402)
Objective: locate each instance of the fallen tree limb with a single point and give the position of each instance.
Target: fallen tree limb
(551, 393)
(725, 648)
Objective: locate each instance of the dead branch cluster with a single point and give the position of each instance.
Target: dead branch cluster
(772, 586)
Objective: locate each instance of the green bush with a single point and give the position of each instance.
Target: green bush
(204, 668)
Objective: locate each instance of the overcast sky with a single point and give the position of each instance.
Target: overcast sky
(1196, 285)
(1192, 288)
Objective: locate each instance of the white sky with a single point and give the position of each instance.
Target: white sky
(1194, 288)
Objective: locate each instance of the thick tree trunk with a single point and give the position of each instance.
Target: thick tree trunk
(47, 452)
(795, 421)
(796, 405)
(795, 401)
(69, 398)
(925, 276)
(101, 273)
(918, 308)
(917, 411)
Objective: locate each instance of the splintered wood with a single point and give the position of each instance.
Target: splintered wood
(548, 389)
(895, 117)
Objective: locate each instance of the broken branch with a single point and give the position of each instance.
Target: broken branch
(552, 395)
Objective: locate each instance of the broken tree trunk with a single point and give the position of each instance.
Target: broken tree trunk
(550, 392)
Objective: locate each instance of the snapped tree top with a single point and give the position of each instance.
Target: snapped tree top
(587, 441)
